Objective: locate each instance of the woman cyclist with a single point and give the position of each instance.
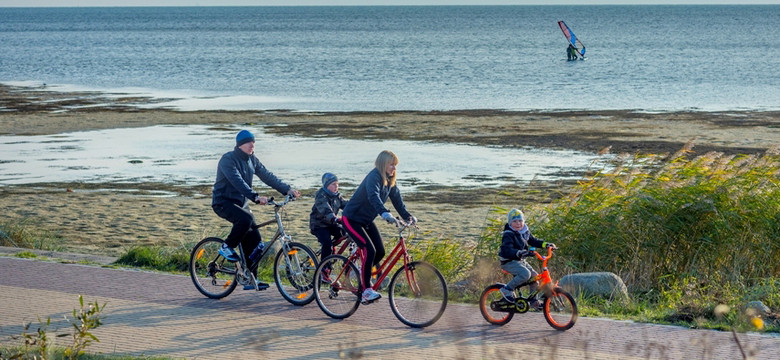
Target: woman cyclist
(363, 207)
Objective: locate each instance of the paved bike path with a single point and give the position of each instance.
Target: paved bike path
(160, 314)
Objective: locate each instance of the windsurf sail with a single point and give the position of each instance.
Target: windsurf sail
(573, 40)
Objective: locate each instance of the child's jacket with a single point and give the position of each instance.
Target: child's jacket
(326, 206)
(515, 243)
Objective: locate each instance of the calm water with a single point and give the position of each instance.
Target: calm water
(403, 58)
(189, 155)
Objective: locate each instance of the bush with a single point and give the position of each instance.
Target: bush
(19, 233)
(684, 234)
(714, 218)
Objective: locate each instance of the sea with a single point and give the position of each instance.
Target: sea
(370, 59)
(386, 58)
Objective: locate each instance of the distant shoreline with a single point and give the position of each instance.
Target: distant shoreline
(76, 98)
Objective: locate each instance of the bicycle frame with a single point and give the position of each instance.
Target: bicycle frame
(544, 279)
(386, 266)
(343, 242)
(280, 235)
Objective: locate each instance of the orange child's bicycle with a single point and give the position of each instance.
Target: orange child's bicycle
(559, 307)
(417, 291)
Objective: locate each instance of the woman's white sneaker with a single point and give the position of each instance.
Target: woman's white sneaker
(369, 295)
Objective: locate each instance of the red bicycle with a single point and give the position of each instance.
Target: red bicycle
(417, 291)
(559, 307)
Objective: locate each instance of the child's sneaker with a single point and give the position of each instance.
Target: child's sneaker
(508, 294)
(537, 304)
(369, 295)
(228, 253)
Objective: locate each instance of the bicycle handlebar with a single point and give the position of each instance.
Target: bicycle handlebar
(403, 225)
(540, 256)
(287, 199)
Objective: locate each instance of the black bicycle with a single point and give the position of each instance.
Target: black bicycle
(294, 266)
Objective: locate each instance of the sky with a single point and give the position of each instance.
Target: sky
(69, 3)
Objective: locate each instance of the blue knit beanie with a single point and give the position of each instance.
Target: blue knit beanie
(243, 137)
(514, 214)
(328, 178)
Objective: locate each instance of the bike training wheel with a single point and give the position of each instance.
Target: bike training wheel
(418, 294)
(340, 297)
(294, 273)
(560, 310)
(212, 274)
(491, 294)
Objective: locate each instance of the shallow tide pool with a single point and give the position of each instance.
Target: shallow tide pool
(189, 155)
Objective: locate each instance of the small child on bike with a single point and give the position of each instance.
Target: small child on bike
(515, 243)
(324, 214)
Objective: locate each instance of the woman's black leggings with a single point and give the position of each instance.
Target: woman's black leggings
(367, 237)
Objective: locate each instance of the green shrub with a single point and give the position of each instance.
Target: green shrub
(684, 234)
(156, 258)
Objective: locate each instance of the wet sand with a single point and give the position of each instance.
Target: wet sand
(109, 218)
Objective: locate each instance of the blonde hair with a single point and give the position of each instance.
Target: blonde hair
(386, 157)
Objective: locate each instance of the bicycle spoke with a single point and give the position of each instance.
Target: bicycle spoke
(492, 295)
(560, 310)
(338, 294)
(294, 273)
(418, 294)
(212, 274)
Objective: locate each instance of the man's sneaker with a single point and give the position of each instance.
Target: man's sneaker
(325, 276)
(537, 304)
(508, 294)
(369, 295)
(260, 286)
(228, 253)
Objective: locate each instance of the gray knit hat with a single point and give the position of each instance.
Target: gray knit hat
(328, 178)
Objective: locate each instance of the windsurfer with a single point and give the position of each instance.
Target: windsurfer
(571, 52)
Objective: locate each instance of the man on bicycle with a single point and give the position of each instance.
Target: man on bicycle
(232, 192)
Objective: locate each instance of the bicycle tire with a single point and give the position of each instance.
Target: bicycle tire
(294, 273)
(212, 274)
(491, 294)
(418, 294)
(560, 310)
(340, 297)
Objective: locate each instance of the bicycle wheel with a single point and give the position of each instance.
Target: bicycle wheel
(560, 310)
(211, 273)
(340, 297)
(418, 294)
(490, 295)
(294, 273)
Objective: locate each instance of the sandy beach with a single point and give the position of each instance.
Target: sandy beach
(110, 218)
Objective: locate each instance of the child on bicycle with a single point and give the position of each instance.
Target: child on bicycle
(232, 192)
(366, 203)
(324, 214)
(514, 249)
